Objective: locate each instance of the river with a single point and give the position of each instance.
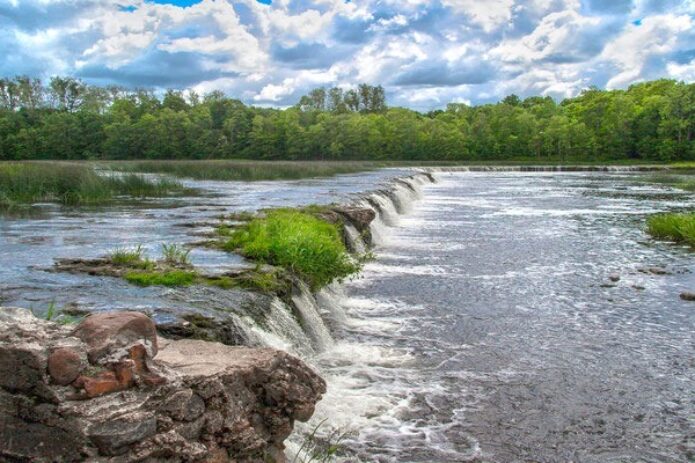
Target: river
(486, 329)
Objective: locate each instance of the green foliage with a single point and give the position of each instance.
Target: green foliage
(298, 241)
(68, 119)
(126, 256)
(175, 254)
(73, 184)
(163, 278)
(675, 227)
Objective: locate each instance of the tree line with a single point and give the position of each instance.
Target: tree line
(68, 119)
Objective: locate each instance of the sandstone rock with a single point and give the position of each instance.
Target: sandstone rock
(687, 296)
(64, 365)
(107, 334)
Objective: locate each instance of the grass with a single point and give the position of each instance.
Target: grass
(74, 184)
(163, 278)
(297, 241)
(128, 256)
(671, 226)
(175, 254)
(245, 170)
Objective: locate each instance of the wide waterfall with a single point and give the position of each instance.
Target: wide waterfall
(305, 324)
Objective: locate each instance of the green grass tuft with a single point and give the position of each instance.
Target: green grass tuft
(175, 254)
(125, 256)
(165, 278)
(303, 244)
(671, 226)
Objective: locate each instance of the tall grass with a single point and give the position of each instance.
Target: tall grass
(245, 170)
(297, 241)
(675, 227)
(73, 184)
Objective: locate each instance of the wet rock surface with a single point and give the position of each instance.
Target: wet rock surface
(98, 393)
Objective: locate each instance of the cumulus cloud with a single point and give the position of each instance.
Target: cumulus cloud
(426, 52)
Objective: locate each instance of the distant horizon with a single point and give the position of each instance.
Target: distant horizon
(425, 53)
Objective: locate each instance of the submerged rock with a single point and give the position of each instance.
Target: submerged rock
(68, 396)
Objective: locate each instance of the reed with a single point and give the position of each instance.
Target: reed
(74, 184)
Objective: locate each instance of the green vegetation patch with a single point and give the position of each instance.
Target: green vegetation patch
(245, 170)
(163, 278)
(74, 184)
(672, 226)
(297, 241)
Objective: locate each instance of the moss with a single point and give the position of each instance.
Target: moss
(163, 278)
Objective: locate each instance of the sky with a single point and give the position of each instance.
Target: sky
(426, 53)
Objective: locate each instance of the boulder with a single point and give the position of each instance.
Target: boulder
(687, 296)
(108, 334)
(101, 395)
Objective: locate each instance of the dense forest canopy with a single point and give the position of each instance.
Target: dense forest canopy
(67, 119)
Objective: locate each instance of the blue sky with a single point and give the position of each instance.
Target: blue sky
(425, 52)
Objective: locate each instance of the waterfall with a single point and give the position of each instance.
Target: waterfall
(354, 239)
(549, 168)
(303, 325)
(307, 311)
(283, 331)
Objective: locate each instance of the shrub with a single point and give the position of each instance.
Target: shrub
(305, 245)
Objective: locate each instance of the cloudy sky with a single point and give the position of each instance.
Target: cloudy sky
(426, 53)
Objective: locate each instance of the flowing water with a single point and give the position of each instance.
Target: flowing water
(487, 328)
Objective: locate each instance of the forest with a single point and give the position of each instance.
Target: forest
(68, 119)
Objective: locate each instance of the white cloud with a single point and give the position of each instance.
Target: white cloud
(657, 35)
(555, 36)
(489, 14)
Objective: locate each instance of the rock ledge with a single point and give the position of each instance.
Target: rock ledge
(110, 391)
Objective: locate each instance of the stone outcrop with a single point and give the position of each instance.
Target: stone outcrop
(110, 391)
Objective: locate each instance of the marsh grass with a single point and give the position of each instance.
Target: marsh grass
(128, 256)
(297, 241)
(175, 254)
(675, 227)
(245, 170)
(74, 184)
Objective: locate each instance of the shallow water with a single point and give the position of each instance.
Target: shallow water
(486, 329)
(29, 245)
